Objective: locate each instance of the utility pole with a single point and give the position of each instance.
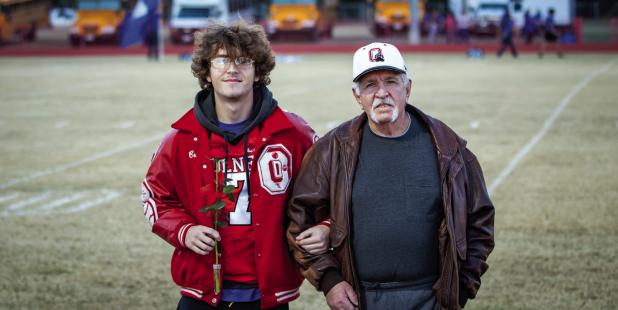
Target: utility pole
(160, 43)
(414, 36)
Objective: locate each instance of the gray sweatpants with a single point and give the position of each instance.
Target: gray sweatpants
(379, 296)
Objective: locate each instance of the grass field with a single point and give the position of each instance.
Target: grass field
(77, 134)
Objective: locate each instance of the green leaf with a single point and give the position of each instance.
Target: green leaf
(219, 205)
(230, 197)
(213, 207)
(228, 189)
(221, 224)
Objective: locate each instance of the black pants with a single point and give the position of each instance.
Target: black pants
(188, 303)
(152, 42)
(507, 42)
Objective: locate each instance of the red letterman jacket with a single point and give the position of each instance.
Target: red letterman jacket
(173, 192)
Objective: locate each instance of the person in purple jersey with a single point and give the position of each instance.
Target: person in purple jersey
(530, 28)
(507, 33)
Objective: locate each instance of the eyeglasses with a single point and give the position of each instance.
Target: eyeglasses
(224, 62)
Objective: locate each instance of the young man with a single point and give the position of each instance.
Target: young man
(235, 135)
(412, 223)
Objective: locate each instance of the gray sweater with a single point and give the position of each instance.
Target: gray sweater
(396, 207)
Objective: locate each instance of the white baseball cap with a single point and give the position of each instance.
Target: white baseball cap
(377, 56)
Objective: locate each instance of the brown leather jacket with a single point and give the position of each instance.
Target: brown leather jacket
(323, 189)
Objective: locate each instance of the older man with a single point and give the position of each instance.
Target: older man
(411, 220)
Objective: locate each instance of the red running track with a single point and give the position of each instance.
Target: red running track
(291, 48)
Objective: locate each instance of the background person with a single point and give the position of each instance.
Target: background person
(551, 34)
(450, 27)
(507, 32)
(464, 21)
(151, 39)
(412, 222)
(432, 24)
(530, 28)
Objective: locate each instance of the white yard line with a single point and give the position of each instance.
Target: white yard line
(109, 196)
(22, 203)
(501, 177)
(62, 201)
(115, 151)
(10, 196)
(61, 124)
(80, 162)
(21, 208)
(124, 125)
(549, 122)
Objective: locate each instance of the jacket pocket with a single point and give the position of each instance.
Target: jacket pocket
(190, 269)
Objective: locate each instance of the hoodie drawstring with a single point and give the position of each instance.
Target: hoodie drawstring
(225, 162)
(246, 157)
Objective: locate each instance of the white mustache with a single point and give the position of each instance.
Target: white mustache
(377, 102)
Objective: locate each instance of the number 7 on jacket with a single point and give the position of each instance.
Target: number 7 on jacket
(241, 214)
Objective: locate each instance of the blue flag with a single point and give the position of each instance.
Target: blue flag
(142, 21)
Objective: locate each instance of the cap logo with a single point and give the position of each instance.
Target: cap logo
(375, 54)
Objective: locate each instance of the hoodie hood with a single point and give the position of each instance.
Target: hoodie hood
(204, 110)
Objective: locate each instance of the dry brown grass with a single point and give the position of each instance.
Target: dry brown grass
(556, 215)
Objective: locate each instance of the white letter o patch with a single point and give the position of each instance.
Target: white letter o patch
(275, 169)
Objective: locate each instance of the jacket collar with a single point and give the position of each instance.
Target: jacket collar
(275, 122)
(445, 139)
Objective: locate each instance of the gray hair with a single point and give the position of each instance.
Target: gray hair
(404, 78)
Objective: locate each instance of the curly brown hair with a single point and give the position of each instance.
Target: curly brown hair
(239, 40)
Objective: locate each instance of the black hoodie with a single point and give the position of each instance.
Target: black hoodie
(204, 110)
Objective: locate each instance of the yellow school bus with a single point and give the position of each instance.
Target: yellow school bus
(305, 17)
(393, 16)
(20, 19)
(96, 20)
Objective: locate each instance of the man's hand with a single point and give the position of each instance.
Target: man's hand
(201, 239)
(342, 297)
(314, 240)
